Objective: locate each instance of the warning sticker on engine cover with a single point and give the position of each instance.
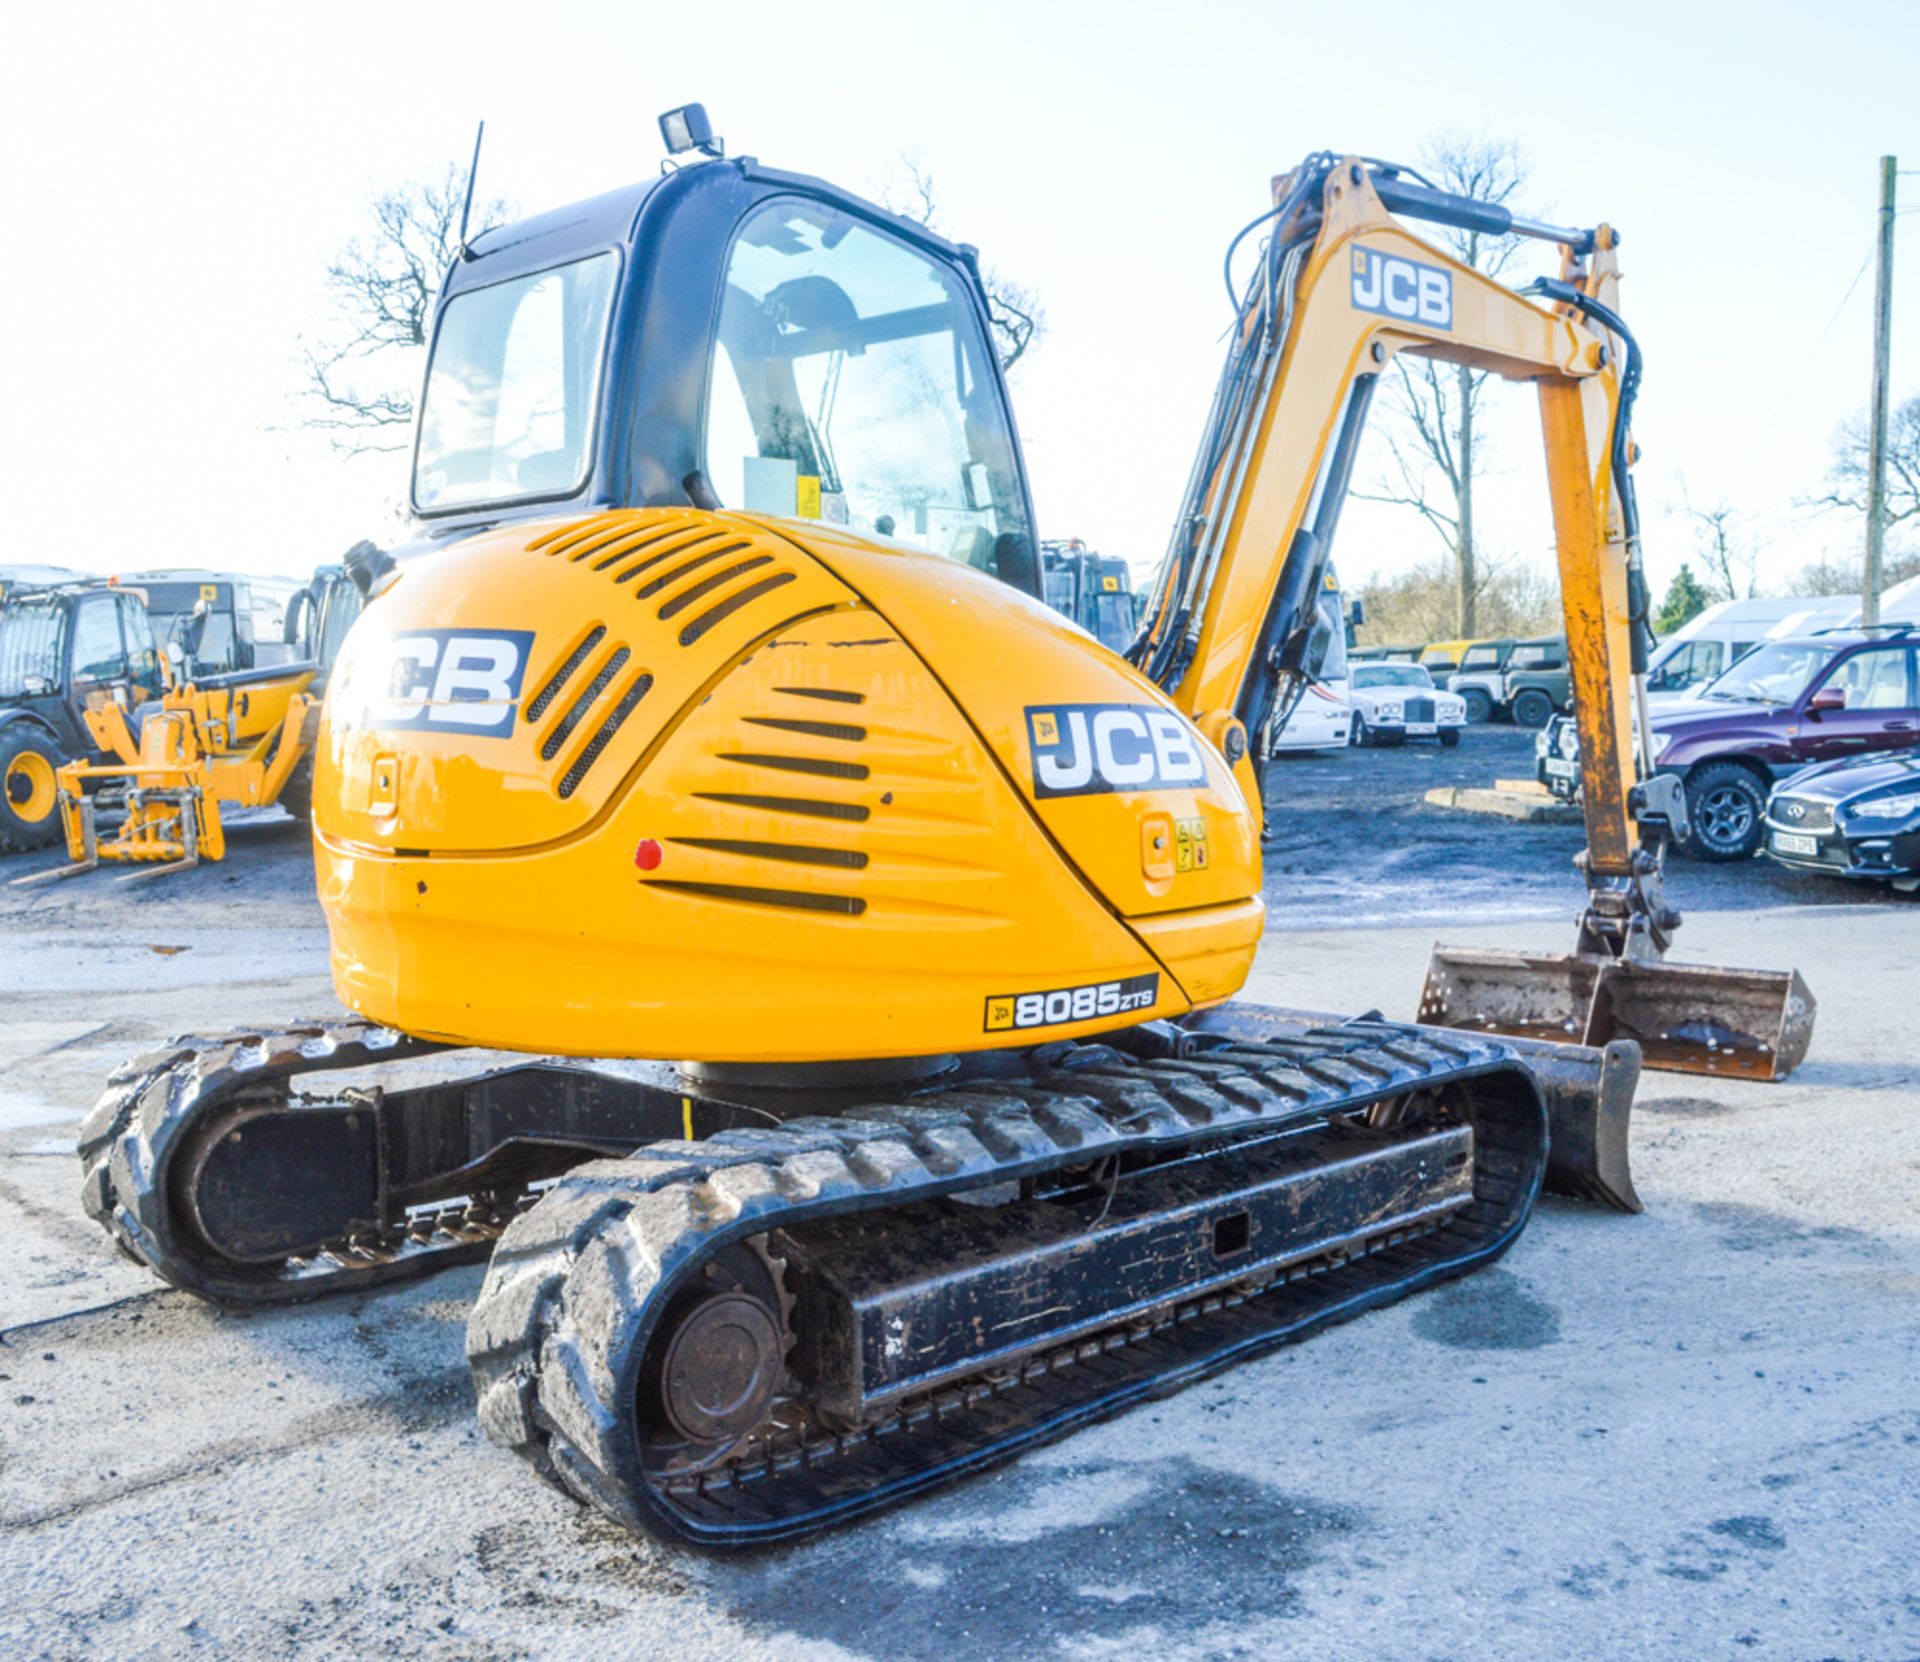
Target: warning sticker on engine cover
(1015, 1012)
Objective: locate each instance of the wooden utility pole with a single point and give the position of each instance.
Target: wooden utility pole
(1877, 409)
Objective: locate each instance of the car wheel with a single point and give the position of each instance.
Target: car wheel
(30, 764)
(1532, 709)
(1450, 736)
(1362, 735)
(1479, 705)
(1727, 804)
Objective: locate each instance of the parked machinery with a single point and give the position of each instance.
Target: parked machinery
(67, 651)
(905, 923)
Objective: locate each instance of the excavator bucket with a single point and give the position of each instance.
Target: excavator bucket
(1588, 1091)
(1686, 1018)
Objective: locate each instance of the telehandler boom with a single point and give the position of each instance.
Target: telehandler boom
(717, 737)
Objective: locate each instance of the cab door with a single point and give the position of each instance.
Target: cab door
(1882, 709)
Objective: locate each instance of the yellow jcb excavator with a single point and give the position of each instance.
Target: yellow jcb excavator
(717, 737)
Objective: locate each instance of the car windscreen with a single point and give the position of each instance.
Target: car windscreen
(32, 644)
(509, 404)
(1773, 674)
(1391, 675)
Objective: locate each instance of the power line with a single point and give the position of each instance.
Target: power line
(1754, 449)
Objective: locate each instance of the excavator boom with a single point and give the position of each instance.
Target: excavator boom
(1341, 288)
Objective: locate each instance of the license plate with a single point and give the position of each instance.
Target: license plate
(1419, 727)
(1558, 767)
(1795, 842)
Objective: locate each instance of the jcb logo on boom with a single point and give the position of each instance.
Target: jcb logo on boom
(460, 680)
(1087, 749)
(1015, 1012)
(1396, 287)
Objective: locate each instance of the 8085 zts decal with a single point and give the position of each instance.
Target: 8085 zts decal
(1087, 749)
(1014, 1012)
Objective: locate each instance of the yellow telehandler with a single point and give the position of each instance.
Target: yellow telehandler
(873, 933)
(210, 742)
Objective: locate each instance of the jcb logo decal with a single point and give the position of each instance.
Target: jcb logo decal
(1394, 287)
(460, 680)
(1016, 1012)
(1087, 749)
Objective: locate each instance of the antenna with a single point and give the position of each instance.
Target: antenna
(466, 209)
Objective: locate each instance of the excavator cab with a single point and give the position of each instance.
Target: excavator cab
(727, 338)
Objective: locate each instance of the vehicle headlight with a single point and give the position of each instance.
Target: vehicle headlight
(1542, 745)
(1887, 807)
(1388, 712)
(1570, 740)
(1659, 744)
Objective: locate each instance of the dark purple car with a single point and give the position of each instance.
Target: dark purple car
(1785, 706)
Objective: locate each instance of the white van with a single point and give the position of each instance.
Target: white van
(1704, 646)
(1322, 719)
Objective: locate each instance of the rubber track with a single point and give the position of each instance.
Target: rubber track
(558, 1334)
(153, 1104)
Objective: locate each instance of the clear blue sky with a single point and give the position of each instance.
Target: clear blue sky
(178, 176)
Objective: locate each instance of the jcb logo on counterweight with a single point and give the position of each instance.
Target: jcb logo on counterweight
(1087, 749)
(1397, 287)
(459, 680)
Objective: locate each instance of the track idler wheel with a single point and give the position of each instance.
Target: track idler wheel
(720, 1369)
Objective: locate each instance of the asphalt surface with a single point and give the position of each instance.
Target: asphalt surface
(1695, 1433)
(1352, 840)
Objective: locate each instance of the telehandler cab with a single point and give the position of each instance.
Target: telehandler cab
(717, 737)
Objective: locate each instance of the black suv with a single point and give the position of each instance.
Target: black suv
(1786, 705)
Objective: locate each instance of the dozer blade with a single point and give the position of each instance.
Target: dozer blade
(1588, 1091)
(1686, 1018)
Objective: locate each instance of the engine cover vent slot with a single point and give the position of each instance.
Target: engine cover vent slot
(849, 859)
(820, 765)
(678, 603)
(563, 728)
(544, 698)
(812, 807)
(570, 780)
(799, 900)
(729, 604)
(811, 729)
(832, 695)
(667, 579)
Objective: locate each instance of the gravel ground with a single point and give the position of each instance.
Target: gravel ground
(1354, 841)
(1692, 1433)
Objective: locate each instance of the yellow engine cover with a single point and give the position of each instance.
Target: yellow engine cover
(675, 784)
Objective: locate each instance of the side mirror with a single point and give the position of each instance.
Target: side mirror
(1827, 698)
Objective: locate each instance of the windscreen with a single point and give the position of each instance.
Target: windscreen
(32, 645)
(851, 383)
(1772, 675)
(1391, 675)
(509, 406)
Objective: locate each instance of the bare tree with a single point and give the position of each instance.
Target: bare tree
(1013, 308)
(1847, 472)
(363, 369)
(1726, 545)
(1828, 575)
(1436, 452)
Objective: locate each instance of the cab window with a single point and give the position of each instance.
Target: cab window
(509, 404)
(1873, 680)
(851, 382)
(97, 651)
(143, 658)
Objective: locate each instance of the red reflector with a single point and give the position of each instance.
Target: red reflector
(647, 855)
